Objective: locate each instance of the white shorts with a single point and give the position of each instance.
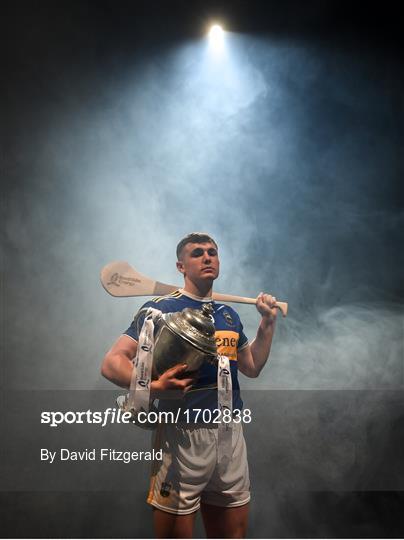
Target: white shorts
(188, 473)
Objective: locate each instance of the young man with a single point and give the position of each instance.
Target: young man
(189, 478)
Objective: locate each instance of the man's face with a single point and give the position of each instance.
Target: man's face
(199, 261)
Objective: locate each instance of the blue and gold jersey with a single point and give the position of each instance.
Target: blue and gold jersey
(230, 339)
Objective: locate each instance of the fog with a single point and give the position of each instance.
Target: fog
(123, 133)
(286, 152)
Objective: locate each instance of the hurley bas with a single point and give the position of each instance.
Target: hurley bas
(99, 454)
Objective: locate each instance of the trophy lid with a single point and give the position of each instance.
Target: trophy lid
(195, 326)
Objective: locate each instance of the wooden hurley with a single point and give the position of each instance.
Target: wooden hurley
(120, 279)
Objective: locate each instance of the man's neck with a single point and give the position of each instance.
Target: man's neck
(203, 290)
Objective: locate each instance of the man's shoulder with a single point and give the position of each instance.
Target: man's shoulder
(227, 312)
(225, 307)
(168, 302)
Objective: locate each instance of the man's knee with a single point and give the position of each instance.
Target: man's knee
(167, 525)
(225, 522)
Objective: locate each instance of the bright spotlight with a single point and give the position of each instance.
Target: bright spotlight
(216, 36)
(216, 32)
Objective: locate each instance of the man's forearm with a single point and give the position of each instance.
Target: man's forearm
(118, 368)
(261, 346)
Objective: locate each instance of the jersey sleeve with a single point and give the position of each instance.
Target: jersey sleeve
(243, 339)
(132, 331)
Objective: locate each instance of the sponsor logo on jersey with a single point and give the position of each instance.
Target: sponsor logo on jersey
(226, 343)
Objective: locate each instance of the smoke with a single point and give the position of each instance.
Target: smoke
(289, 153)
(284, 152)
(345, 347)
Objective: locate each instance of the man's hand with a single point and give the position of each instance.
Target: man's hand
(170, 385)
(266, 306)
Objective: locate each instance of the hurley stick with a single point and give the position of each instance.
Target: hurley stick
(120, 279)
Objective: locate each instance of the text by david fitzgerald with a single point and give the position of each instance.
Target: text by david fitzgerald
(99, 454)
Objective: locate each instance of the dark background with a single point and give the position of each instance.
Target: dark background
(121, 134)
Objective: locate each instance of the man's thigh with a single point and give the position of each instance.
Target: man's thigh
(179, 479)
(229, 485)
(222, 522)
(172, 525)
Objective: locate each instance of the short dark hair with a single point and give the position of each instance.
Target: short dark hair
(193, 238)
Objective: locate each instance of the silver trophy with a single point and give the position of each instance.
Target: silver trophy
(186, 336)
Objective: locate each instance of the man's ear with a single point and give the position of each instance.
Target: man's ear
(180, 267)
